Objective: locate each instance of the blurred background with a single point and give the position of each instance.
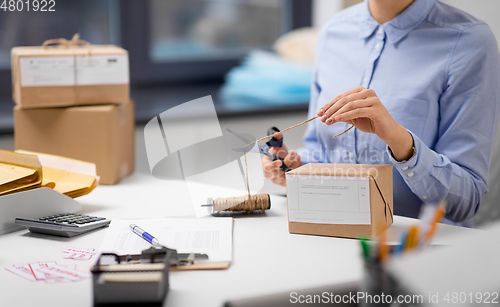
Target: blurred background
(184, 49)
(254, 57)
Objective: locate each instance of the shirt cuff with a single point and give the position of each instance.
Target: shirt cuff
(417, 167)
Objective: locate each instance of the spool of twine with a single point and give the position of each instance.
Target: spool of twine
(243, 203)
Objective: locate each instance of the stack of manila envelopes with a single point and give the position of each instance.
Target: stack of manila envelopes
(19, 172)
(70, 177)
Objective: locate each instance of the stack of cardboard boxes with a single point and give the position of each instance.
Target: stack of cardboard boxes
(73, 101)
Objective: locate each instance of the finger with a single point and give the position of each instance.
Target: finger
(280, 175)
(279, 151)
(353, 105)
(334, 100)
(328, 118)
(357, 113)
(278, 136)
(281, 182)
(293, 160)
(271, 166)
(276, 176)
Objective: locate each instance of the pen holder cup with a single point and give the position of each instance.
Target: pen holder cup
(379, 288)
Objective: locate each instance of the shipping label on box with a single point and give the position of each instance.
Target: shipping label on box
(329, 199)
(47, 71)
(102, 69)
(61, 71)
(343, 200)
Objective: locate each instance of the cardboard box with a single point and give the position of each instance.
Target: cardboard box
(69, 75)
(103, 135)
(340, 200)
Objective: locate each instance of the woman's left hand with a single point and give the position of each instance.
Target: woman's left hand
(362, 108)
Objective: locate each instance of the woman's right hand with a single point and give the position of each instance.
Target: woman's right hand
(272, 168)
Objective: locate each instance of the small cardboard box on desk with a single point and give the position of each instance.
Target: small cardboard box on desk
(102, 134)
(66, 73)
(340, 200)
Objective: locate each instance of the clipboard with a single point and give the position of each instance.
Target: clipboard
(213, 237)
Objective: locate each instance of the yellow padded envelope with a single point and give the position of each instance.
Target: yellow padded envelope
(19, 172)
(72, 177)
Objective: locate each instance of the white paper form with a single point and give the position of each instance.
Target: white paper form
(212, 236)
(47, 71)
(102, 69)
(329, 199)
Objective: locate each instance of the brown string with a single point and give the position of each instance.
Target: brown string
(246, 170)
(242, 203)
(62, 42)
(295, 126)
(272, 135)
(259, 201)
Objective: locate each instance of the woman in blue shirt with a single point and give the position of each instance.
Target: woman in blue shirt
(420, 81)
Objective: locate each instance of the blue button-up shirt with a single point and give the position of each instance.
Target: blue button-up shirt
(436, 69)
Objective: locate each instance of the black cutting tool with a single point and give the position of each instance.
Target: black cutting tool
(264, 149)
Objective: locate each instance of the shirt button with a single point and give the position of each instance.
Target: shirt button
(404, 168)
(377, 46)
(411, 174)
(365, 79)
(351, 155)
(380, 30)
(424, 196)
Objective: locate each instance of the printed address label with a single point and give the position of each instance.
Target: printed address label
(70, 70)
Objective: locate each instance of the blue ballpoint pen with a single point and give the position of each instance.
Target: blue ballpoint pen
(143, 234)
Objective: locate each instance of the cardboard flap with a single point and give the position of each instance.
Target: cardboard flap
(387, 207)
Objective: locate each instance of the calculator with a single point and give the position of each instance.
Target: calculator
(64, 225)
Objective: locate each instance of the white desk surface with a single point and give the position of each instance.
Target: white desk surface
(266, 258)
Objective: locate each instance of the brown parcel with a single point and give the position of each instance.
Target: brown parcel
(57, 92)
(381, 199)
(103, 135)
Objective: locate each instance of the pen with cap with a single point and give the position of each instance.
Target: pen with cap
(179, 259)
(145, 235)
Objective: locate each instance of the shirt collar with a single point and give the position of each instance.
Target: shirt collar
(397, 28)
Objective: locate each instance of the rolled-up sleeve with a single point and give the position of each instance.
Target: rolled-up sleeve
(457, 166)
